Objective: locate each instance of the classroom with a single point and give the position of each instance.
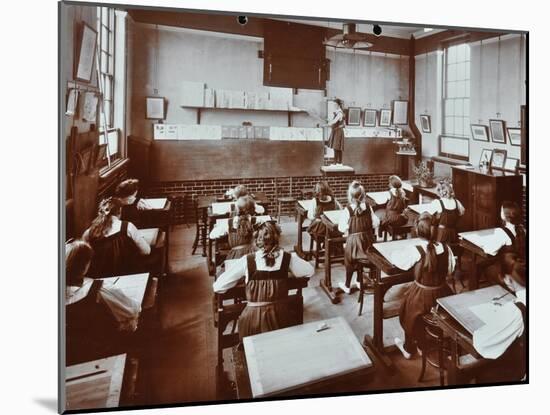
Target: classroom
(261, 206)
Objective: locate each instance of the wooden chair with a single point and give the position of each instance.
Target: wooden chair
(282, 201)
(318, 253)
(201, 229)
(397, 231)
(365, 280)
(433, 340)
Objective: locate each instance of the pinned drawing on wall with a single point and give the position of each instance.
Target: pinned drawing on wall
(85, 55)
(89, 109)
(354, 116)
(426, 123)
(369, 119)
(385, 118)
(514, 135)
(497, 131)
(154, 108)
(498, 159)
(72, 101)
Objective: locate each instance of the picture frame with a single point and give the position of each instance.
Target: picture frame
(480, 132)
(369, 118)
(400, 112)
(511, 164)
(498, 131)
(354, 116)
(425, 123)
(85, 54)
(154, 108)
(514, 136)
(498, 159)
(486, 155)
(385, 118)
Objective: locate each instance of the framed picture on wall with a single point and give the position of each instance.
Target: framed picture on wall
(514, 136)
(498, 159)
(85, 54)
(154, 108)
(369, 119)
(485, 157)
(385, 118)
(479, 132)
(426, 123)
(354, 116)
(498, 134)
(400, 112)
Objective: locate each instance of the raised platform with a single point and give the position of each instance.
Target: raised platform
(337, 170)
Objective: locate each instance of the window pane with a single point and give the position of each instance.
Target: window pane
(458, 125)
(105, 16)
(451, 89)
(113, 142)
(466, 52)
(460, 71)
(467, 88)
(449, 125)
(104, 38)
(451, 73)
(449, 107)
(451, 55)
(108, 87)
(460, 53)
(460, 89)
(459, 108)
(467, 71)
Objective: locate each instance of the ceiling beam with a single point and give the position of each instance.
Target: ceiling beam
(438, 41)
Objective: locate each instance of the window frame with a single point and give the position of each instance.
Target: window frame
(444, 99)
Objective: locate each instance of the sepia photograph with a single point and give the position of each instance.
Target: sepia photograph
(236, 227)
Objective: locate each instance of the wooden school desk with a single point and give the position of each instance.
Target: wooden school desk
(458, 323)
(133, 286)
(103, 383)
(471, 241)
(301, 360)
(380, 255)
(160, 216)
(302, 208)
(413, 212)
(157, 241)
(416, 193)
(378, 200)
(331, 218)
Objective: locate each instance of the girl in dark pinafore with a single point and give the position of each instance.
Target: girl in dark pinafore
(358, 221)
(239, 230)
(447, 211)
(336, 139)
(117, 245)
(323, 201)
(266, 276)
(395, 206)
(431, 267)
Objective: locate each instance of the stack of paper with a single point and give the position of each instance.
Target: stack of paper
(192, 94)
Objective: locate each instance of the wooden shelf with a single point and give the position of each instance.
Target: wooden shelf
(201, 108)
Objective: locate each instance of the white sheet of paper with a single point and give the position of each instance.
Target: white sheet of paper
(306, 204)
(156, 203)
(425, 207)
(489, 240)
(221, 208)
(379, 198)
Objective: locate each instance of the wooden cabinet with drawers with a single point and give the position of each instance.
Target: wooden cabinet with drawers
(482, 194)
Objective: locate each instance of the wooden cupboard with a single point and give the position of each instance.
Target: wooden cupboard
(482, 194)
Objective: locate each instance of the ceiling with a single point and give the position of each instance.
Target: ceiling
(403, 32)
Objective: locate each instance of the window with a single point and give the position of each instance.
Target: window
(106, 57)
(456, 101)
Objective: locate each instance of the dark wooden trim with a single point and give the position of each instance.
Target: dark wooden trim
(227, 23)
(412, 91)
(439, 40)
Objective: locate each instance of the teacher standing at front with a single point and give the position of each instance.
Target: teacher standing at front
(337, 124)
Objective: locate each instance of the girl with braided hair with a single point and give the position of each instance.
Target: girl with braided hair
(117, 244)
(431, 265)
(266, 274)
(359, 222)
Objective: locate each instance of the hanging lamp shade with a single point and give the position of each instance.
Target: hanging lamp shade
(348, 39)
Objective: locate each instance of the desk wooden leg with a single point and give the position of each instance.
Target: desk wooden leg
(299, 247)
(452, 369)
(326, 284)
(473, 278)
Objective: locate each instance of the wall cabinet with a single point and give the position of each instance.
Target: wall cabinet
(482, 195)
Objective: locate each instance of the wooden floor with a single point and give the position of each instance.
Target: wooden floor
(182, 356)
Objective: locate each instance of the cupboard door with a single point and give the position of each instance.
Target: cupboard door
(485, 202)
(462, 188)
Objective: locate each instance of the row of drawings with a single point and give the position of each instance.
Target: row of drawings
(196, 94)
(218, 132)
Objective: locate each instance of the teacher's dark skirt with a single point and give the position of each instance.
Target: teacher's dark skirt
(336, 139)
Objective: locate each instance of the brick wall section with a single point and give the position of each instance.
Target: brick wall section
(272, 187)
